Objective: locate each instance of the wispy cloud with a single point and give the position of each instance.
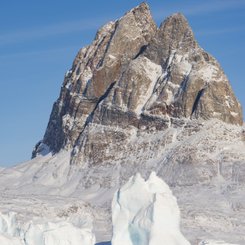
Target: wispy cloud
(220, 31)
(50, 30)
(189, 8)
(194, 8)
(51, 52)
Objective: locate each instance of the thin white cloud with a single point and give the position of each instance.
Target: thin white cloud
(40, 52)
(51, 30)
(188, 8)
(220, 31)
(200, 8)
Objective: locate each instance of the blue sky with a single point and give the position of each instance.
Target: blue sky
(39, 40)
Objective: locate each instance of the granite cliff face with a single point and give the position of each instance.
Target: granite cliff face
(135, 74)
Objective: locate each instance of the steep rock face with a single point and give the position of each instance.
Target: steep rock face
(135, 74)
(193, 83)
(94, 71)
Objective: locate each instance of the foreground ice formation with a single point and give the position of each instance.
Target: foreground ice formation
(146, 213)
(13, 232)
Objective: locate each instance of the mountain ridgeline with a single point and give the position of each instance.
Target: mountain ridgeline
(135, 74)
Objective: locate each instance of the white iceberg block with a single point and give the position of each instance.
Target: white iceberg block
(13, 232)
(61, 233)
(146, 213)
(4, 240)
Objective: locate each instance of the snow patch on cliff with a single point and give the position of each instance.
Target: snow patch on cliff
(153, 72)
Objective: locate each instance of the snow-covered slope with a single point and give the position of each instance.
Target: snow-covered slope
(212, 242)
(146, 213)
(203, 162)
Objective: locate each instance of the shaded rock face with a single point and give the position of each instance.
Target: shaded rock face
(135, 74)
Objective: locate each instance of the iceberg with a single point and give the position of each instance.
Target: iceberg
(146, 213)
(13, 232)
(5, 240)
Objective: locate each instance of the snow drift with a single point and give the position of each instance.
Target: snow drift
(212, 242)
(13, 232)
(146, 213)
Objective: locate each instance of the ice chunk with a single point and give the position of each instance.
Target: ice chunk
(58, 233)
(4, 240)
(146, 213)
(44, 233)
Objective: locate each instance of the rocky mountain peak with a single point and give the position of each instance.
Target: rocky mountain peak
(135, 74)
(175, 22)
(141, 9)
(131, 32)
(173, 34)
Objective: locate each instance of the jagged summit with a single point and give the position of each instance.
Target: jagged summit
(143, 7)
(136, 74)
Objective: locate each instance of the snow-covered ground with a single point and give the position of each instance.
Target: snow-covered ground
(212, 242)
(204, 165)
